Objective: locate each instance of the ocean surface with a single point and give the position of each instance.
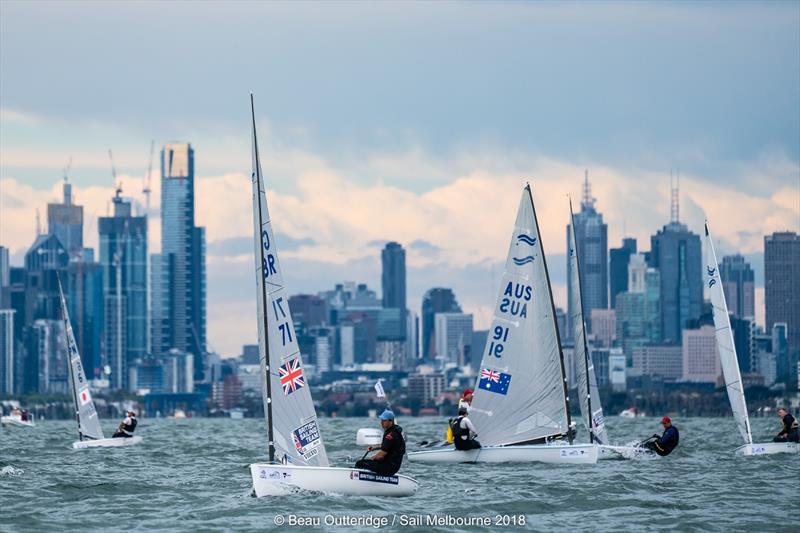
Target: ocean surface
(192, 474)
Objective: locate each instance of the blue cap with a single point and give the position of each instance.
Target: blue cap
(387, 415)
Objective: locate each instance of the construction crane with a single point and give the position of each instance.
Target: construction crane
(146, 190)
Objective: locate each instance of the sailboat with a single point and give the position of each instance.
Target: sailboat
(730, 363)
(588, 393)
(520, 407)
(90, 434)
(297, 456)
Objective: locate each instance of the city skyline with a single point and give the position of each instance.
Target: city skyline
(354, 161)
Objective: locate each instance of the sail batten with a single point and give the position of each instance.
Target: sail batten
(88, 421)
(520, 395)
(591, 408)
(293, 432)
(725, 345)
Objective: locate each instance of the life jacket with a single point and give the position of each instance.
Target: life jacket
(458, 431)
(129, 428)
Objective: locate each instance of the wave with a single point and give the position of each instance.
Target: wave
(522, 260)
(526, 239)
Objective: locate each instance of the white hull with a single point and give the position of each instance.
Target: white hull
(526, 453)
(606, 451)
(768, 448)
(106, 443)
(16, 421)
(277, 480)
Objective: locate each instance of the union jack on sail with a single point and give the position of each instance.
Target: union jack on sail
(291, 375)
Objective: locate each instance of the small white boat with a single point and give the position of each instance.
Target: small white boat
(523, 453)
(16, 420)
(632, 412)
(730, 363)
(90, 433)
(297, 456)
(276, 479)
(768, 448)
(521, 406)
(106, 443)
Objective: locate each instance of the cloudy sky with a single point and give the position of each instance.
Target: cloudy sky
(415, 122)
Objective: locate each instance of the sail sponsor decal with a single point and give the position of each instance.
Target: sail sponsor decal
(711, 273)
(306, 440)
(275, 475)
(84, 396)
(527, 239)
(494, 381)
(375, 478)
(291, 374)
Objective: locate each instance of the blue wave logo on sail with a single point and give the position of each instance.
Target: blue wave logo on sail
(519, 261)
(526, 239)
(711, 272)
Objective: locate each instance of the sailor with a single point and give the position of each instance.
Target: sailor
(127, 426)
(390, 455)
(466, 399)
(668, 441)
(463, 431)
(789, 432)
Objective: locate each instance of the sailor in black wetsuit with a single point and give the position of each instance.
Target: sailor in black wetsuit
(667, 442)
(789, 432)
(390, 456)
(126, 427)
(463, 431)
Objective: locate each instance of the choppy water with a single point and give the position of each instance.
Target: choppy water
(192, 475)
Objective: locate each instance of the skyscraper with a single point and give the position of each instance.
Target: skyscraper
(83, 286)
(7, 380)
(123, 256)
(436, 300)
(675, 252)
(453, 338)
(65, 221)
(782, 286)
(618, 268)
(591, 235)
(738, 282)
(393, 277)
(179, 275)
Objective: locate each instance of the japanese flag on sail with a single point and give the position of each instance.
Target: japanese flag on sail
(84, 396)
(379, 389)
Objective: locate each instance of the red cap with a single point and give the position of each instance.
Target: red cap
(666, 420)
(467, 391)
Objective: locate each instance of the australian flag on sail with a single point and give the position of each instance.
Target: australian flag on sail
(494, 381)
(291, 375)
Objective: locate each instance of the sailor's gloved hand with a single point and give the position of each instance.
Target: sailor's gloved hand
(655, 436)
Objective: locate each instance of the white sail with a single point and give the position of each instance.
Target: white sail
(521, 393)
(88, 421)
(288, 407)
(591, 408)
(725, 345)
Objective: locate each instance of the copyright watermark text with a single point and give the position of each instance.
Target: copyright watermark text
(414, 520)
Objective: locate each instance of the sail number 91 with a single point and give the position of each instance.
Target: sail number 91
(499, 336)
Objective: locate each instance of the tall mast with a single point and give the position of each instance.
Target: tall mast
(65, 318)
(257, 176)
(583, 323)
(553, 308)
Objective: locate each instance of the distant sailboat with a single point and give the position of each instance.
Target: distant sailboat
(521, 407)
(90, 434)
(297, 455)
(588, 393)
(730, 363)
